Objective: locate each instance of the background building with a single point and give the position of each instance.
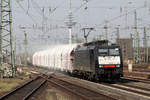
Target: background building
(126, 46)
(144, 55)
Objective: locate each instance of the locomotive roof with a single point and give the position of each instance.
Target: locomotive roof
(86, 47)
(99, 42)
(95, 46)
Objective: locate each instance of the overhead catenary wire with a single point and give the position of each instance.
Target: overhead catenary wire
(86, 3)
(121, 15)
(96, 26)
(39, 10)
(77, 9)
(111, 20)
(115, 18)
(139, 25)
(28, 6)
(26, 11)
(81, 6)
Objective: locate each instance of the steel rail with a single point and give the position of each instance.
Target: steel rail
(27, 95)
(81, 87)
(34, 90)
(13, 91)
(137, 79)
(127, 89)
(136, 87)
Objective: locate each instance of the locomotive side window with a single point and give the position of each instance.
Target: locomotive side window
(114, 52)
(103, 52)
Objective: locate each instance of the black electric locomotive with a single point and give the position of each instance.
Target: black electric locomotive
(102, 62)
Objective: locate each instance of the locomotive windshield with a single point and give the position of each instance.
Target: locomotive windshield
(110, 52)
(114, 52)
(103, 52)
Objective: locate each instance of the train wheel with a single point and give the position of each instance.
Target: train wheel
(96, 78)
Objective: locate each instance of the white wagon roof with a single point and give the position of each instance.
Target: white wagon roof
(55, 53)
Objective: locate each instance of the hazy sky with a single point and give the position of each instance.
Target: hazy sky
(87, 13)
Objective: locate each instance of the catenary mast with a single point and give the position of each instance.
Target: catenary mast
(6, 37)
(70, 23)
(136, 41)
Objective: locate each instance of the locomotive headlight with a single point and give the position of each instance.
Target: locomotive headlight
(117, 65)
(100, 66)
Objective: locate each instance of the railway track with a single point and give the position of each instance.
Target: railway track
(77, 90)
(87, 94)
(25, 91)
(137, 79)
(143, 91)
(135, 87)
(130, 88)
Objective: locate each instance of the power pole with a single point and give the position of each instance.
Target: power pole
(126, 20)
(70, 23)
(86, 35)
(136, 43)
(44, 21)
(105, 27)
(14, 55)
(145, 46)
(1, 57)
(6, 36)
(118, 34)
(99, 37)
(25, 49)
(132, 48)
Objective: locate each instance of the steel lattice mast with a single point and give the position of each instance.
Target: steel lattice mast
(6, 46)
(70, 23)
(136, 41)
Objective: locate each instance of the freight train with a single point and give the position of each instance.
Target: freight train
(92, 61)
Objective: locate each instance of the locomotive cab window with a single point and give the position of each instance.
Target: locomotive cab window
(103, 52)
(114, 52)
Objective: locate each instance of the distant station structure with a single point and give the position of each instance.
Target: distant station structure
(127, 47)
